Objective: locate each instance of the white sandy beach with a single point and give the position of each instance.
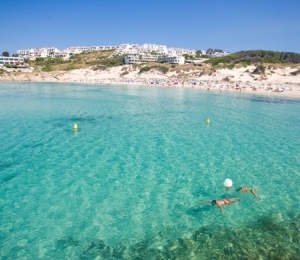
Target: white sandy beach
(275, 81)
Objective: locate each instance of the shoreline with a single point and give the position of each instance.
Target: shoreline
(262, 92)
(228, 81)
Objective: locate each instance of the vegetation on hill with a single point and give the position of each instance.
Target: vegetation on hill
(260, 70)
(163, 69)
(256, 56)
(102, 60)
(189, 57)
(108, 62)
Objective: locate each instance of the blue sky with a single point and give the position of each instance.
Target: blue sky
(231, 25)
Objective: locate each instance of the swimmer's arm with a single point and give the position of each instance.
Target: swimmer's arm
(221, 209)
(253, 191)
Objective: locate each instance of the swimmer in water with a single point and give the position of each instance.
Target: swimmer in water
(245, 189)
(219, 203)
(223, 202)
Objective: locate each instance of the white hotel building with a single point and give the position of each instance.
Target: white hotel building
(32, 54)
(151, 53)
(11, 60)
(140, 58)
(147, 57)
(126, 48)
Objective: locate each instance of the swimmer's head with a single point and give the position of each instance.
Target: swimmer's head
(214, 202)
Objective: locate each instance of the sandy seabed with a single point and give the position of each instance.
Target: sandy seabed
(275, 81)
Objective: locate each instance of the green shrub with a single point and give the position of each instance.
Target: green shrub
(70, 67)
(145, 69)
(47, 68)
(231, 66)
(260, 69)
(124, 73)
(91, 63)
(161, 68)
(10, 66)
(101, 67)
(113, 61)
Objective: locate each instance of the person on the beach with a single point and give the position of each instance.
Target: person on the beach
(223, 202)
(245, 189)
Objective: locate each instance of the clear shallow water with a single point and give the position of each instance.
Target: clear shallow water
(128, 183)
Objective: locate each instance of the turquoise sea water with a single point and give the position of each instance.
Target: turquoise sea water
(128, 183)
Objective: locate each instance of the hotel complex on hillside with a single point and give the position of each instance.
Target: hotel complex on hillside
(152, 53)
(53, 52)
(134, 53)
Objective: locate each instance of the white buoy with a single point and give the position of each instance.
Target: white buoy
(228, 183)
(75, 127)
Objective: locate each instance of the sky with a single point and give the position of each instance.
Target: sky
(230, 25)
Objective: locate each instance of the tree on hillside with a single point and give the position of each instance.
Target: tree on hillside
(209, 51)
(218, 50)
(198, 53)
(5, 54)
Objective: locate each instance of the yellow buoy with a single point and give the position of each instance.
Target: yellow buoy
(75, 127)
(207, 121)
